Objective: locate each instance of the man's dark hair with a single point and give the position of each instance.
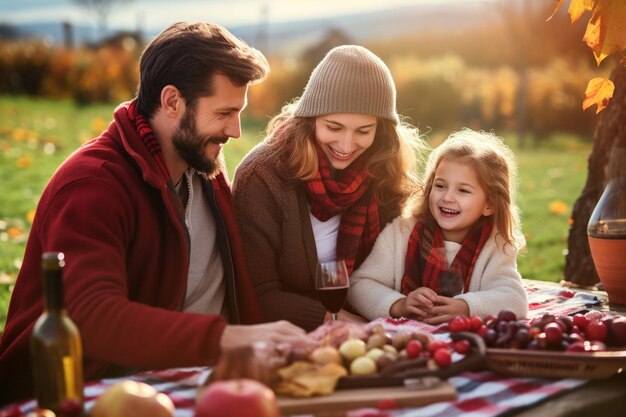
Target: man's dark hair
(186, 55)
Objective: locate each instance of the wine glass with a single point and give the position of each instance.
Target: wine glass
(331, 283)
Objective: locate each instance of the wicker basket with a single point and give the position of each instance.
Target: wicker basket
(530, 363)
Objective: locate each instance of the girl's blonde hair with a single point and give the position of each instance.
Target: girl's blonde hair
(391, 160)
(495, 166)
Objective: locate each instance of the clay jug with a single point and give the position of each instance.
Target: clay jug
(607, 230)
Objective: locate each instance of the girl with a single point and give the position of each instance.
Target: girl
(457, 254)
(336, 167)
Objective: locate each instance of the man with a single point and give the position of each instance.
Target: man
(154, 267)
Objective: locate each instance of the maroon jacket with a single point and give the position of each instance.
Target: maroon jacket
(115, 214)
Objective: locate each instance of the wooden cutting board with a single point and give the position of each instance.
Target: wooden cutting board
(348, 399)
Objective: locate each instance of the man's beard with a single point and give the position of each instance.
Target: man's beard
(190, 146)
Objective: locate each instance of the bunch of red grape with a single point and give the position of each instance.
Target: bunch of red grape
(588, 332)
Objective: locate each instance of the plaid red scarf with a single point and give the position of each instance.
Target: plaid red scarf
(350, 194)
(425, 263)
(147, 136)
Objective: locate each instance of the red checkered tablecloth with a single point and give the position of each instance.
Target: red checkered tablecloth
(480, 394)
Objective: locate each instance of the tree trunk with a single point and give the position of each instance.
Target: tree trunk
(610, 133)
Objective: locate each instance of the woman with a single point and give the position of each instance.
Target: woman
(335, 168)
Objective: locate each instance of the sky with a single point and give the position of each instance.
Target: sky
(156, 14)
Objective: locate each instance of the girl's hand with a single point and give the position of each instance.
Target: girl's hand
(417, 303)
(445, 309)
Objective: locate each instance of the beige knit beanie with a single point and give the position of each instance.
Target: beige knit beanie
(350, 79)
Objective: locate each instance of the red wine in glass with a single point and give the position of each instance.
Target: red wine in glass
(333, 298)
(331, 283)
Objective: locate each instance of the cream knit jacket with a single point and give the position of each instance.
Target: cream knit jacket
(495, 283)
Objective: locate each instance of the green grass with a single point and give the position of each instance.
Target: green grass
(552, 173)
(36, 135)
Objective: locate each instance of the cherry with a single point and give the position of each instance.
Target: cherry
(507, 315)
(575, 337)
(580, 320)
(436, 345)
(576, 347)
(459, 324)
(554, 334)
(490, 337)
(475, 323)
(442, 357)
(596, 330)
(413, 349)
(462, 346)
(522, 337)
(566, 323)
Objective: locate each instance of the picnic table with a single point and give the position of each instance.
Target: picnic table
(479, 393)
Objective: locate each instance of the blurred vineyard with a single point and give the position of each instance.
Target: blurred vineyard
(445, 81)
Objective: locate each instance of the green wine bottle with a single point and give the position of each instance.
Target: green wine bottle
(56, 347)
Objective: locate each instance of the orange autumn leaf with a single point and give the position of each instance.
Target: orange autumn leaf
(599, 91)
(14, 232)
(575, 10)
(578, 7)
(558, 208)
(556, 9)
(606, 31)
(24, 162)
(30, 216)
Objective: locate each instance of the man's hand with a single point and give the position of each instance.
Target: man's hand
(236, 336)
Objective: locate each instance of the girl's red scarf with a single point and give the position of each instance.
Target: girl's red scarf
(425, 263)
(350, 194)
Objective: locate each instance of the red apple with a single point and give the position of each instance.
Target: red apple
(132, 398)
(237, 398)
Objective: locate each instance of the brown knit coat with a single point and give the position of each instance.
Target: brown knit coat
(273, 218)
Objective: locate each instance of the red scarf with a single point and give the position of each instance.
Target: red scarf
(350, 194)
(425, 263)
(149, 139)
